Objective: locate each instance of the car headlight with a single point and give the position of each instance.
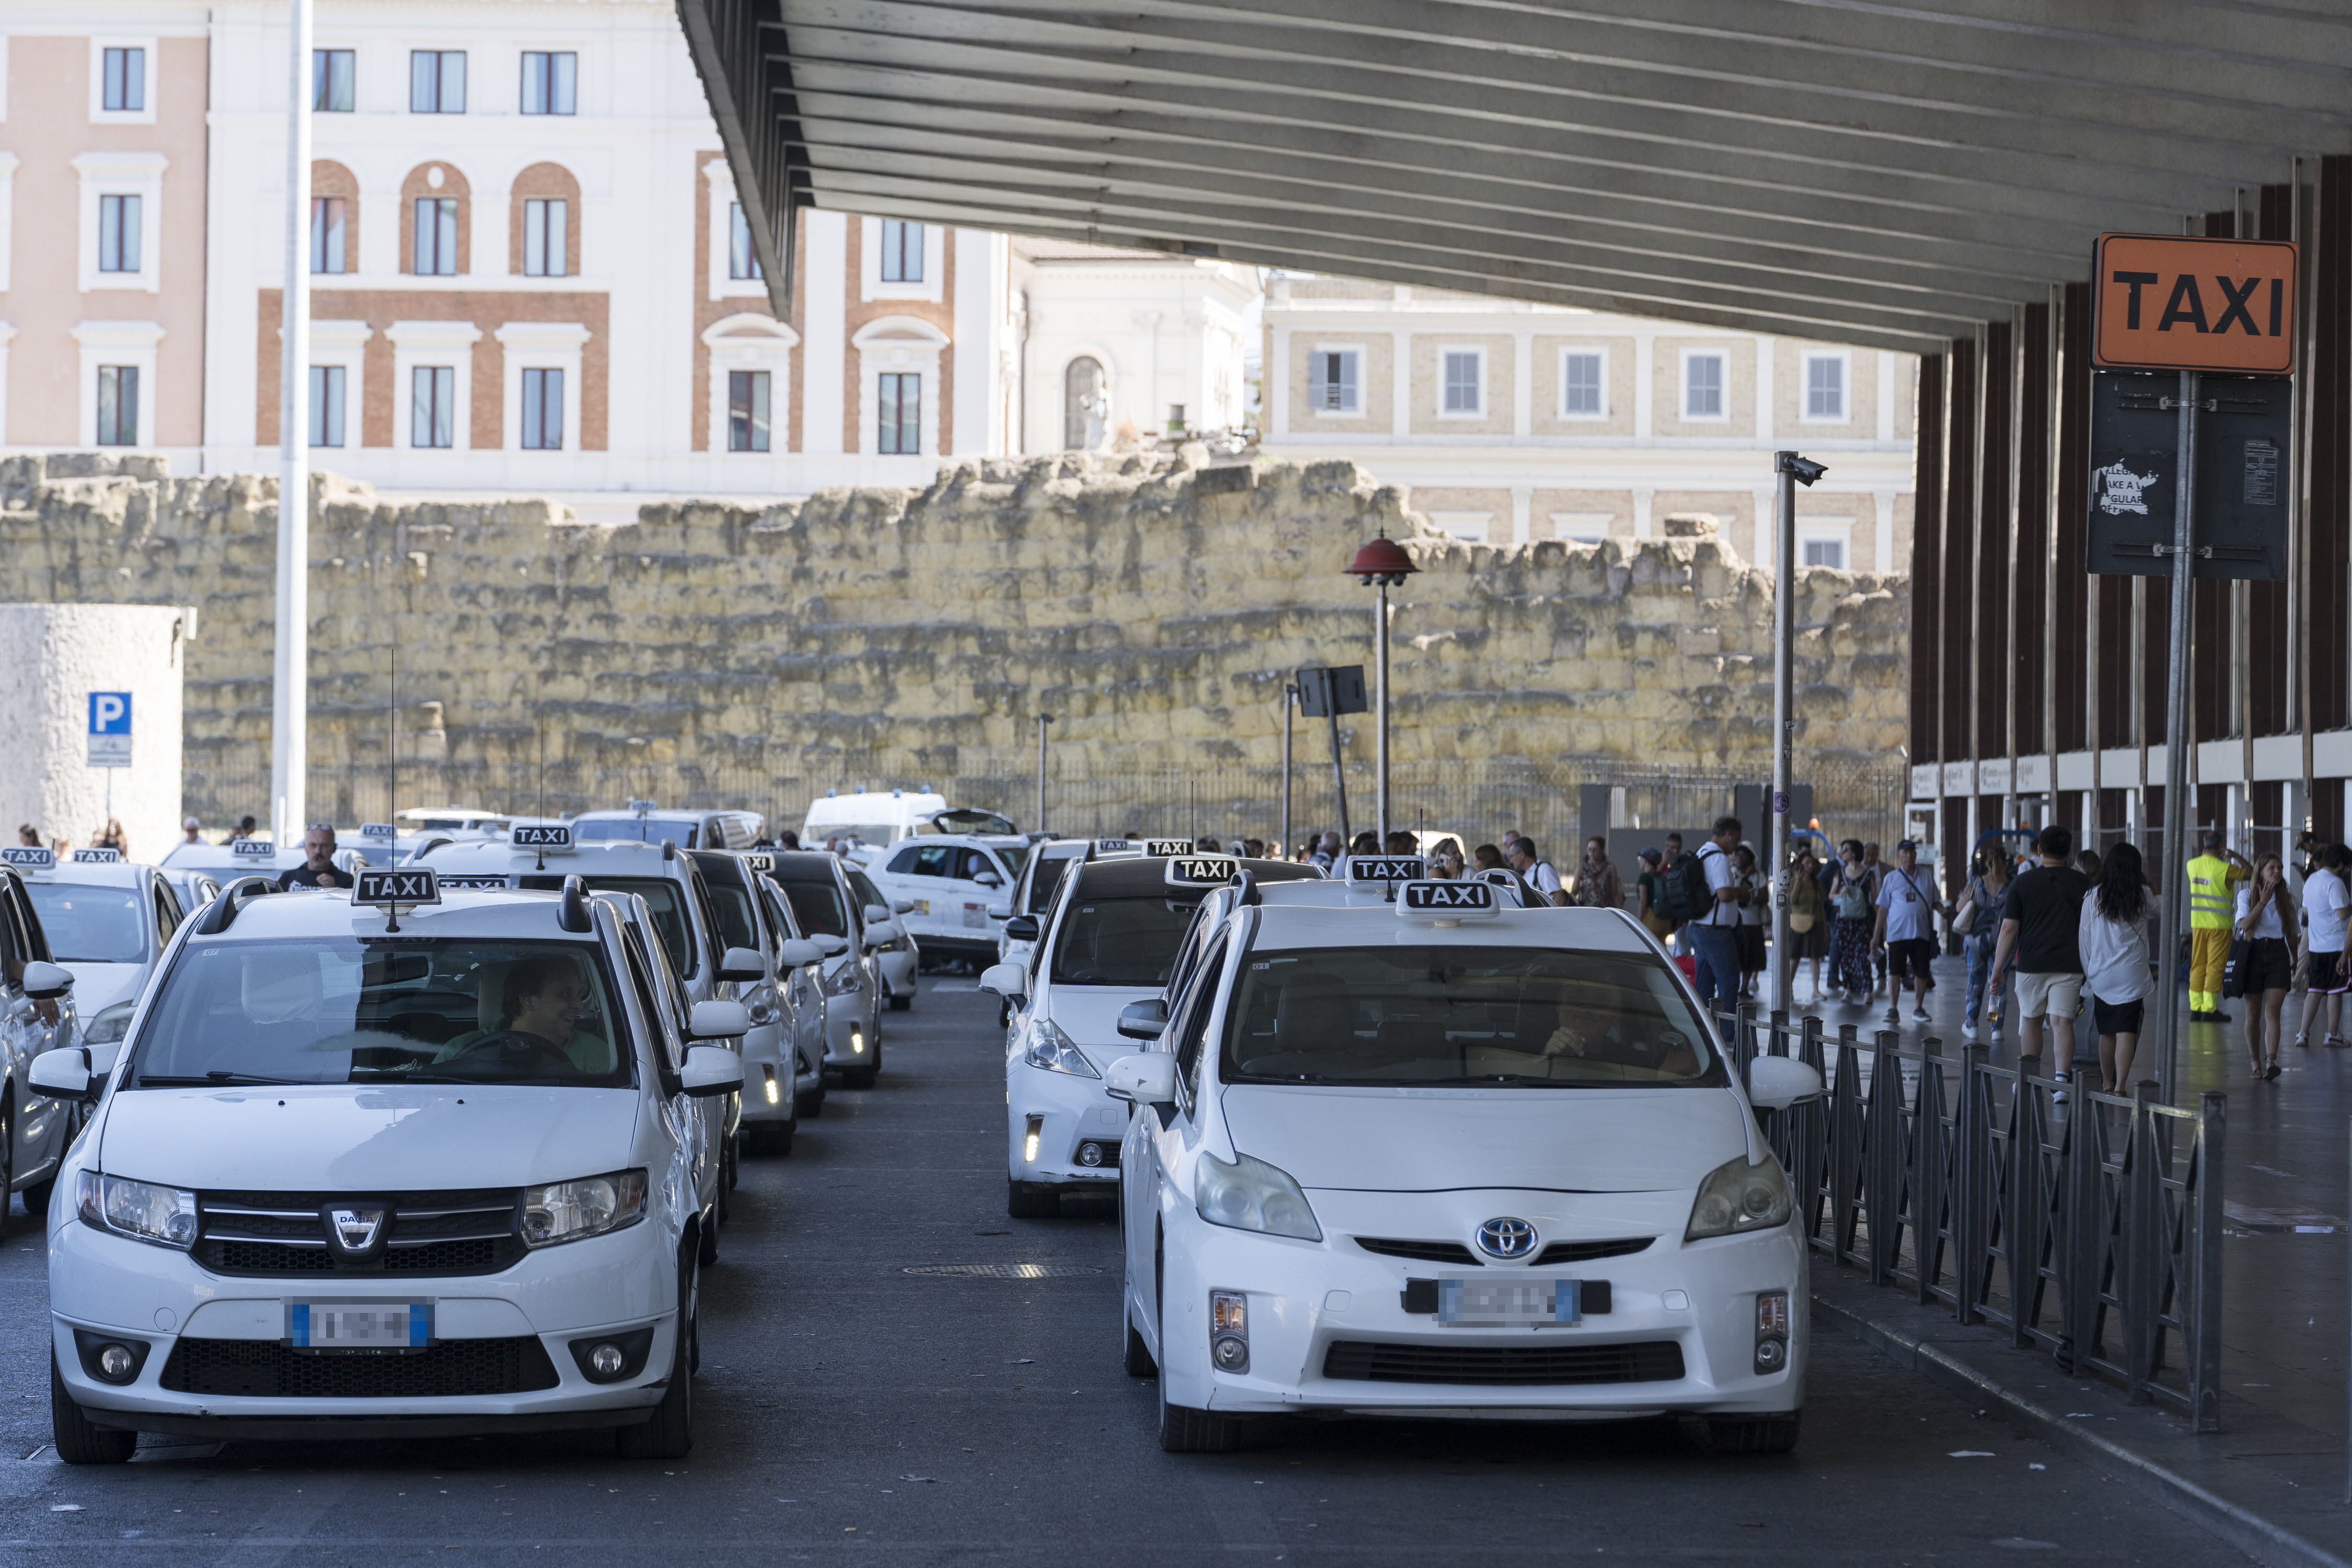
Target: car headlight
(1250, 1194)
(141, 1210)
(573, 1211)
(109, 1024)
(842, 982)
(1055, 1051)
(1737, 1197)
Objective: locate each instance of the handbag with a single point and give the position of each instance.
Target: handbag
(2233, 972)
(1799, 924)
(1965, 921)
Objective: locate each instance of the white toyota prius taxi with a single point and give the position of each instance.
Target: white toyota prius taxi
(386, 1164)
(1444, 1158)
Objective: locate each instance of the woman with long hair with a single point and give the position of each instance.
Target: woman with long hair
(1987, 890)
(1850, 904)
(1808, 925)
(2266, 922)
(2113, 937)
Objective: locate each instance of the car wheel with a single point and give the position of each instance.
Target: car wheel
(1033, 1200)
(1753, 1434)
(36, 1198)
(706, 1249)
(1184, 1430)
(1138, 1362)
(900, 1003)
(79, 1442)
(810, 1106)
(670, 1433)
(768, 1138)
(7, 1164)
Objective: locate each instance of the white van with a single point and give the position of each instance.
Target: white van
(879, 817)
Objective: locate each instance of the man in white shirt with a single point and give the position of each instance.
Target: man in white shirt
(2325, 903)
(1714, 935)
(1905, 931)
(1535, 871)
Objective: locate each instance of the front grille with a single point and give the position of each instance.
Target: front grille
(1427, 1251)
(265, 1369)
(1585, 1251)
(1366, 1361)
(273, 1234)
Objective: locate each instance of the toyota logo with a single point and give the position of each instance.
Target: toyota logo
(1506, 1238)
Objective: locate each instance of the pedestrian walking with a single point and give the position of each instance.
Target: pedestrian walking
(1809, 924)
(1598, 886)
(1850, 905)
(1489, 858)
(2040, 930)
(244, 829)
(192, 831)
(1326, 852)
(2265, 923)
(111, 837)
(2325, 901)
(1713, 932)
(1876, 873)
(29, 837)
(1521, 854)
(318, 868)
(1365, 843)
(1905, 932)
(2212, 875)
(2111, 934)
(1754, 907)
(1650, 887)
(1980, 914)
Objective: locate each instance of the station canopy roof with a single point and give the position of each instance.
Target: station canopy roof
(1879, 174)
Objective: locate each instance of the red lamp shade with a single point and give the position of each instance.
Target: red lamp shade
(1382, 560)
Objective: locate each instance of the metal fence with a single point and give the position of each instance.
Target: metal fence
(2087, 1226)
(1479, 799)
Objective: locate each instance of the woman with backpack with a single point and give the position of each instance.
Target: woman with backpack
(1651, 889)
(1980, 911)
(1851, 904)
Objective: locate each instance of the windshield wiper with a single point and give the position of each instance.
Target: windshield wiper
(206, 1080)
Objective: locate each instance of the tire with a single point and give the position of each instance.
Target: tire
(768, 1138)
(859, 1078)
(810, 1106)
(1184, 1430)
(79, 1442)
(670, 1433)
(36, 1199)
(901, 1004)
(1753, 1434)
(706, 1248)
(1032, 1200)
(1138, 1362)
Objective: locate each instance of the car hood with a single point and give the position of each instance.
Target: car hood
(1433, 1139)
(367, 1137)
(98, 986)
(1089, 1015)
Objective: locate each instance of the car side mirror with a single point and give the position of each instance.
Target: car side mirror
(881, 934)
(65, 1075)
(876, 913)
(1021, 928)
(1000, 912)
(902, 906)
(1776, 1083)
(1009, 981)
(798, 953)
(718, 1020)
(1144, 1020)
(1146, 1080)
(830, 946)
(989, 879)
(742, 964)
(711, 1071)
(47, 982)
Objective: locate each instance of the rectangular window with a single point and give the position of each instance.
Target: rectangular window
(437, 81)
(327, 405)
(433, 406)
(1580, 385)
(1462, 393)
(118, 405)
(1703, 386)
(326, 252)
(331, 81)
(436, 253)
(1830, 552)
(740, 261)
(902, 251)
(118, 233)
(1333, 373)
(543, 236)
(124, 90)
(1826, 387)
(548, 83)
(747, 411)
(900, 395)
(543, 411)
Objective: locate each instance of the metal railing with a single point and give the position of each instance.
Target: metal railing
(2087, 1225)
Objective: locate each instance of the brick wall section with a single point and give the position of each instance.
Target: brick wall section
(914, 623)
(489, 310)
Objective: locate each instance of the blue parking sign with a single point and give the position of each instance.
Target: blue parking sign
(109, 712)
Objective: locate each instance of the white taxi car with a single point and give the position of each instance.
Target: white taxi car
(787, 1036)
(403, 1169)
(1033, 895)
(1446, 1158)
(107, 921)
(37, 1014)
(897, 961)
(1109, 939)
(817, 888)
(953, 880)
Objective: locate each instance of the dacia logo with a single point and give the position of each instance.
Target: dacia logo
(1448, 896)
(353, 1232)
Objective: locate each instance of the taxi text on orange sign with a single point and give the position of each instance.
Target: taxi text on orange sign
(2166, 302)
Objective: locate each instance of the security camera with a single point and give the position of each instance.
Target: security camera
(1805, 468)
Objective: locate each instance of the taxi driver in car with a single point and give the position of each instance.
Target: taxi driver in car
(1591, 1027)
(537, 1016)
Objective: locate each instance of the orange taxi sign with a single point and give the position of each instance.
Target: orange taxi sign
(2167, 302)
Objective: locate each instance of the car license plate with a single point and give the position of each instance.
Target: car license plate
(1508, 1303)
(359, 1328)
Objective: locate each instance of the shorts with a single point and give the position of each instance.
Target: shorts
(2269, 966)
(2326, 972)
(2053, 994)
(1910, 959)
(2118, 1018)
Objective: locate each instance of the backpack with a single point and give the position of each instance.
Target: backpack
(1852, 903)
(1686, 892)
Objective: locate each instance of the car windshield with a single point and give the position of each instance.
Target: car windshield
(1012, 854)
(663, 897)
(817, 907)
(1121, 941)
(679, 830)
(89, 925)
(384, 1010)
(1444, 1015)
(1045, 879)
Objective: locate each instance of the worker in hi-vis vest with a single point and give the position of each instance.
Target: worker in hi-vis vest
(2212, 907)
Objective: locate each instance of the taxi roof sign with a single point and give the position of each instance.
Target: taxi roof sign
(252, 846)
(759, 860)
(1386, 869)
(26, 857)
(377, 830)
(1446, 903)
(540, 835)
(1157, 846)
(475, 881)
(402, 888)
(1202, 870)
(97, 856)
(2172, 302)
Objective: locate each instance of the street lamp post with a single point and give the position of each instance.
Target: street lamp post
(1381, 564)
(289, 721)
(1791, 471)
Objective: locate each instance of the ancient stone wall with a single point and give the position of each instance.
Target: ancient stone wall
(1154, 613)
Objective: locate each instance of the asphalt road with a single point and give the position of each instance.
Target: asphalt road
(848, 1410)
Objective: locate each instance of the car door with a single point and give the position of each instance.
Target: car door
(921, 870)
(38, 1122)
(796, 989)
(1152, 1148)
(977, 881)
(697, 1120)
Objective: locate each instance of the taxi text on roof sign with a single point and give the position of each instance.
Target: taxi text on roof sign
(1202, 870)
(377, 830)
(253, 846)
(406, 886)
(2166, 302)
(97, 856)
(478, 883)
(541, 836)
(1385, 869)
(1160, 847)
(26, 856)
(1446, 900)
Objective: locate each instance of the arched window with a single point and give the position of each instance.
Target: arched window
(436, 232)
(543, 229)
(1086, 404)
(335, 218)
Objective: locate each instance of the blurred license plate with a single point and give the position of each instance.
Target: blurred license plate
(359, 1327)
(1508, 1303)
(975, 916)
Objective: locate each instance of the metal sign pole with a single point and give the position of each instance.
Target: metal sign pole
(289, 725)
(1380, 717)
(1784, 717)
(2177, 744)
(1043, 719)
(1289, 708)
